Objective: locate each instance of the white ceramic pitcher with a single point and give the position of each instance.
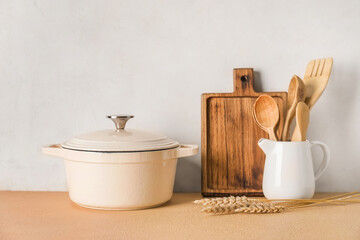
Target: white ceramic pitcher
(288, 171)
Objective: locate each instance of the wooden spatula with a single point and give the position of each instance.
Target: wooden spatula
(302, 122)
(296, 94)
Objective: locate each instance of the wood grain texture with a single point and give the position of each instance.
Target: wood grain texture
(232, 162)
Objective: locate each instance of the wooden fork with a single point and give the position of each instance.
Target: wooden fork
(316, 78)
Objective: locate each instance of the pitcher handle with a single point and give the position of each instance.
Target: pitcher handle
(325, 162)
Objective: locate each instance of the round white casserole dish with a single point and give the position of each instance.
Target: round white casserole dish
(120, 169)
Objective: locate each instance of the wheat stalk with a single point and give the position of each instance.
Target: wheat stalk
(244, 207)
(243, 204)
(223, 200)
(274, 209)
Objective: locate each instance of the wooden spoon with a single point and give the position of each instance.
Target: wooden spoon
(302, 122)
(266, 115)
(296, 94)
(316, 78)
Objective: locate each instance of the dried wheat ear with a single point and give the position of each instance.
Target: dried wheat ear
(237, 205)
(226, 205)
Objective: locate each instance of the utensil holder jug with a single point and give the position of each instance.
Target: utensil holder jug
(288, 171)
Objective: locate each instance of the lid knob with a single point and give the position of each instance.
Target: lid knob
(120, 120)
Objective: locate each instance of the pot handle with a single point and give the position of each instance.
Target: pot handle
(53, 150)
(186, 150)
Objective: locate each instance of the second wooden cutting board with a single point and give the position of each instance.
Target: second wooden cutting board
(231, 161)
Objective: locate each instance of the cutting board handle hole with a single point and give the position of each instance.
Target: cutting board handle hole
(244, 78)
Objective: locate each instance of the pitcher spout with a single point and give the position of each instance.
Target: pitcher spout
(266, 145)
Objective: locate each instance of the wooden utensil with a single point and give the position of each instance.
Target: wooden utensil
(266, 115)
(296, 94)
(316, 78)
(302, 122)
(231, 161)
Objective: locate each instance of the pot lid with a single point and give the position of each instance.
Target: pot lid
(120, 139)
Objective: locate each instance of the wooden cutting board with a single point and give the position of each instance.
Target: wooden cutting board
(231, 161)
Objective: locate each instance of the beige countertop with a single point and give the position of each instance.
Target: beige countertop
(51, 215)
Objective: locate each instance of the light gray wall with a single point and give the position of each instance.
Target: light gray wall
(66, 64)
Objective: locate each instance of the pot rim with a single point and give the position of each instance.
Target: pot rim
(184, 150)
(98, 151)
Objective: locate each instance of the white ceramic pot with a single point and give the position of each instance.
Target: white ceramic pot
(120, 169)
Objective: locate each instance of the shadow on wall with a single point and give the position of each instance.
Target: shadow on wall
(188, 175)
(334, 122)
(343, 105)
(258, 87)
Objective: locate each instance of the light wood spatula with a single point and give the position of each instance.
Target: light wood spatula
(302, 122)
(296, 94)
